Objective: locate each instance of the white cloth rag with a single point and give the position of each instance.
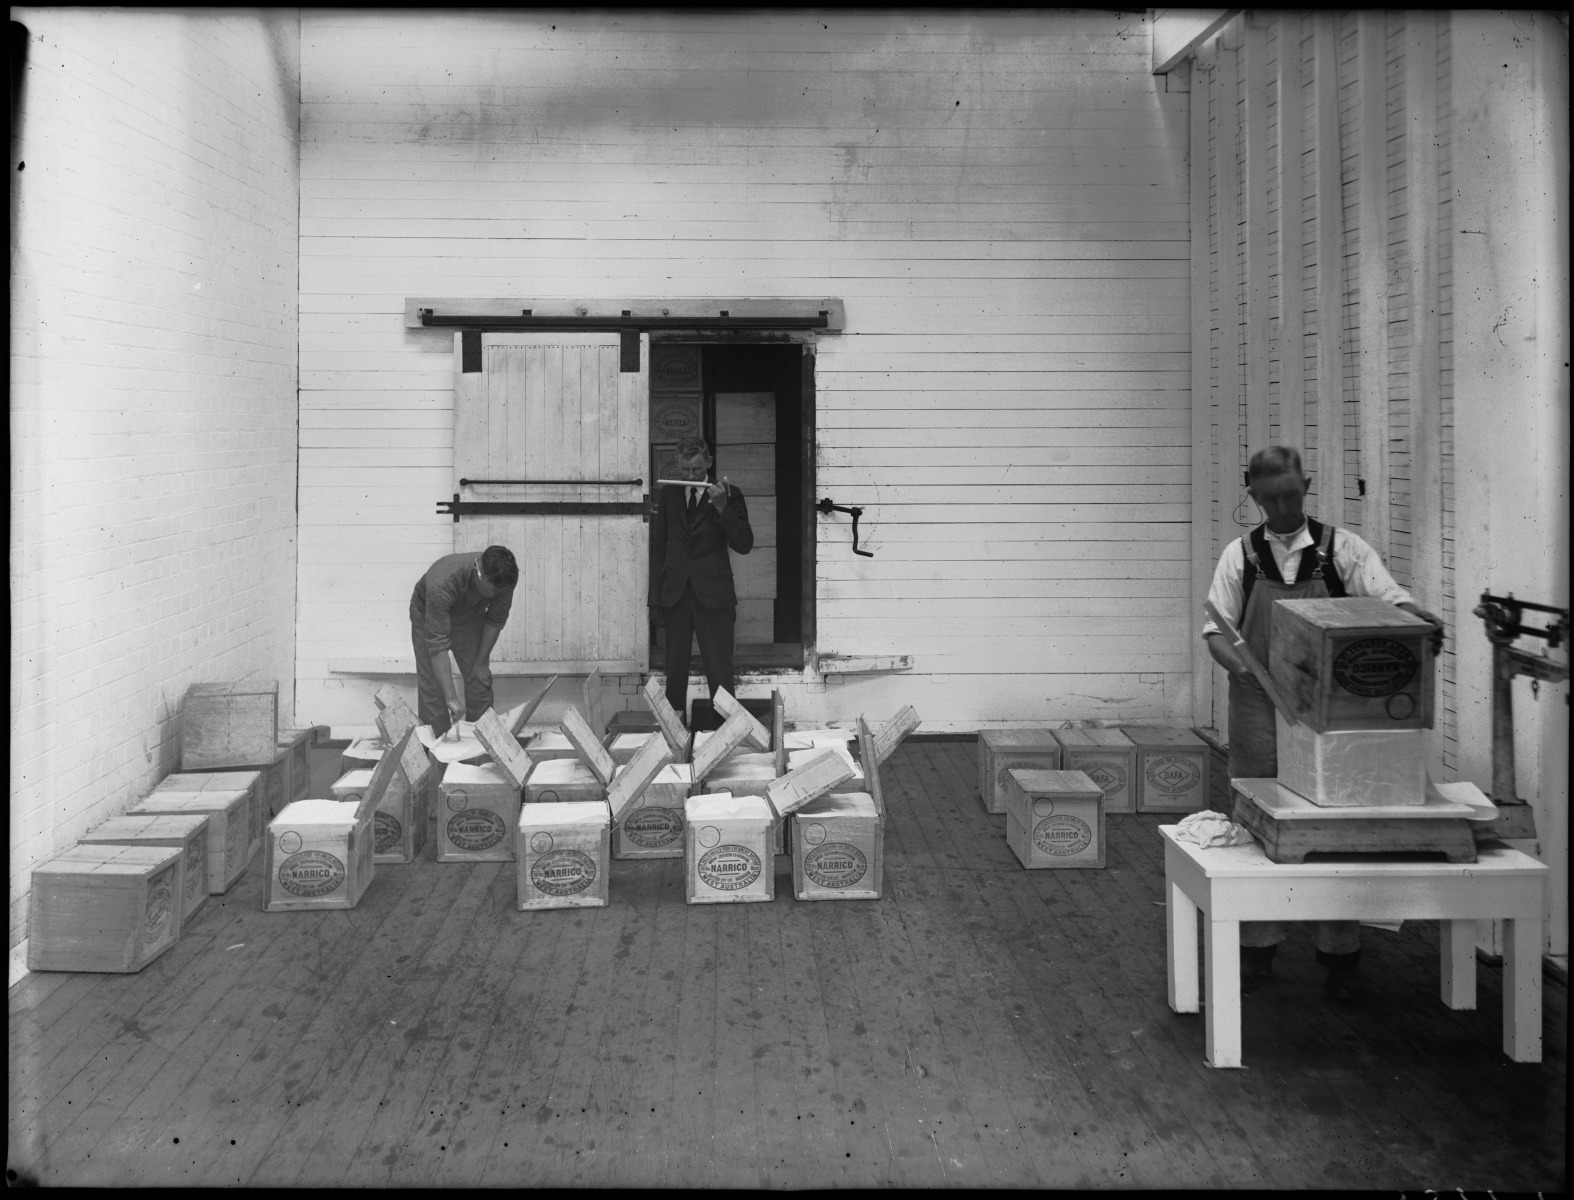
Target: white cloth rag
(1208, 829)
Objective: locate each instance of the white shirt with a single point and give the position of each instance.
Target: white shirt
(1356, 563)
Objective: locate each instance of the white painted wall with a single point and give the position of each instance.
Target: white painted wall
(153, 411)
(1000, 200)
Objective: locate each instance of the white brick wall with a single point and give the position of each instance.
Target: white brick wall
(153, 397)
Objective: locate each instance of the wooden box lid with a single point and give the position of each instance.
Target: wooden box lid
(1163, 737)
(1072, 784)
(1020, 739)
(1104, 739)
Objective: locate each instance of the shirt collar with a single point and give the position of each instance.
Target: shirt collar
(1298, 540)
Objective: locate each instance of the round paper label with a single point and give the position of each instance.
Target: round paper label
(814, 833)
(289, 842)
(1174, 774)
(835, 865)
(563, 873)
(311, 873)
(388, 832)
(275, 791)
(728, 868)
(674, 420)
(546, 797)
(709, 835)
(234, 851)
(1043, 806)
(653, 828)
(1401, 706)
(541, 842)
(457, 800)
(1062, 835)
(1374, 667)
(476, 829)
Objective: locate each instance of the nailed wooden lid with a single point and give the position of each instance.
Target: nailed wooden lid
(1054, 783)
(1034, 738)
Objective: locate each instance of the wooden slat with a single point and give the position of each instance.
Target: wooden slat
(1291, 107)
(1373, 365)
(1328, 486)
(1255, 167)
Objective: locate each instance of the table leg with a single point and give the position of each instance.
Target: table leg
(1457, 941)
(1522, 989)
(1181, 951)
(1223, 965)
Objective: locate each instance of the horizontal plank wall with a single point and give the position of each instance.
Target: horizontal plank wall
(153, 409)
(1002, 203)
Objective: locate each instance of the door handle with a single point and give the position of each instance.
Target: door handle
(827, 507)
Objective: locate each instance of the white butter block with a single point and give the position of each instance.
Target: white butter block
(550, 744)
(560, 780)
(624, 746)
(1353, 768)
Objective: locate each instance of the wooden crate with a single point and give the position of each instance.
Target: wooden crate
(227, 781)
(479, 814)
(229, 817)
(653, 826)
(1353, 768)
(229, 725)
(319, 856)
(1173, 768)
(1105, 756)
(403, 813)
(727, 855)
(362, 754)
(271, 782)
(746, 774)
(1054, 818)
(561, 780)
(1001, 749)
(189, 833)
(838, 846)
(1353, 663)
(105, 908)
(564, 855)
(623, 746)
(298, 779)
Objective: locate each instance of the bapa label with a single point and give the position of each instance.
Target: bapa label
(729, 868)
(1109, 776)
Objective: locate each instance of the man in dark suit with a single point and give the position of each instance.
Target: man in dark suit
(690, 573)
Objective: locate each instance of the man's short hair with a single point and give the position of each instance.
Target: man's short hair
(1275, 460)
(499, 567)
(690, 446)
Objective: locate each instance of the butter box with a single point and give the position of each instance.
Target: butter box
(558, 780)
(403, 813)
(727, 855)
(1108, 758)
(1352, 663)
(837, 848)
(189, 832)
(298, 777)
(1001, 749)
(226, 781)
(1172, 769)
(229, 816)
(105, 908)
(653, 826)
(318, 856)
(1054, 818)
(479, 814)
(1353, 768)
(564, 854)
(228, 725)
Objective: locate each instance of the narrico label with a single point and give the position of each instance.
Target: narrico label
(161, 903)
(311, 873)
(563, 872)
(389, 831)
(729, 868)
(1374, 667)
(653, 828)
(476, 829)
(1062, 835)
(835, 865)
(1174, 774)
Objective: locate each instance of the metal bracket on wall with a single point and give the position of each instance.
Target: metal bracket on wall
(826, 507)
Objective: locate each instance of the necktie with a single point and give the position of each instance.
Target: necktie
(694, 500)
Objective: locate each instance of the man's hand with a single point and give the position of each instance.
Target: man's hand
(717, 494)
(456, 713)
(1224, 654)
(481, 674)
(1435, 621)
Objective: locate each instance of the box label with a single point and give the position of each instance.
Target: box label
(563, 873)
(161, 903)
(653, 828)
(311, 873)
(1062, 835)
(1109, 776)
(835, 865)
(1174, 774)
(1375, 667)
(729, 868)
(476, 829)
(234, 852)
(388, 831)
(196, 866)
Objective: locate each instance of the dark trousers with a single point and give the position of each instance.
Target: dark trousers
(685, 622)
(466, 643)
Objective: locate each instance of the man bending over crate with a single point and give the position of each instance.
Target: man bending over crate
(1288, 557)
(457, 610)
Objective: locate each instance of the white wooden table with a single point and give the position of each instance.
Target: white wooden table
(1237, 883)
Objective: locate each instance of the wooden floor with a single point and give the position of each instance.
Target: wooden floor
(982, 1025)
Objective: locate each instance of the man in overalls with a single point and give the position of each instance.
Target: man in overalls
(1288, 557)
(457, 610)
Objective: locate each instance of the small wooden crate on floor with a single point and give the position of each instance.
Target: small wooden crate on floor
(561, 780)
(273, 788)
(298, 779)
(564, 854)
(838, 848)
(1353, 663)
(229, 725)
(229, 816)
(319, 855)
(226, 781)
(399, 824)
(1353, 768)
(1108, 758)
(479, 814)
(1172, 769)
(653, 826)
(188, 832)
(1001, 749)
(727, 855)
(1054, 818)
(105, 908)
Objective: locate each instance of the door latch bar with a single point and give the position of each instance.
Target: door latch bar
(543, 508)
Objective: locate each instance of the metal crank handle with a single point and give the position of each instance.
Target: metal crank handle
(826, 507)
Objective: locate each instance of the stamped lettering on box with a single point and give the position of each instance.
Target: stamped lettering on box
(161, 903)
(1374, 667)
(388, 832)
(835, 865)
(1062, 835)
(289, 842)
(196, 865)
(476, 829)
(814, 834)
(653, 828)
(311, 873)
(563, 873)
(457, 800)
(729, 868)
(1174, 774)
(1110, 776)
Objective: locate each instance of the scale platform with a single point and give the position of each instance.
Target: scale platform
(1290, 827)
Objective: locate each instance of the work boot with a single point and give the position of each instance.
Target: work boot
(1256, 967)
(1344, 983)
